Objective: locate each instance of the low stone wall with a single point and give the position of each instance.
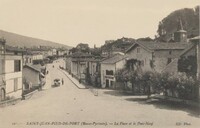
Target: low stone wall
(9, 102)
(27, 96)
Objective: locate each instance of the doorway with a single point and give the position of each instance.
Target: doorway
(107, 83)
(3, 94)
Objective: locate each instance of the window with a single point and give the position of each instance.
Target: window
(2, 66)
(109, 72)
(138, 50)
(2, 49)
(17, 64)
(170, 52)
(15, 84)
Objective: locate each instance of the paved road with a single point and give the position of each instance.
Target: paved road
(69, 107)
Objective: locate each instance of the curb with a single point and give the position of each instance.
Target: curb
(72, 80)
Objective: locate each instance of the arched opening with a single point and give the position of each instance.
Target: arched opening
(2, 94)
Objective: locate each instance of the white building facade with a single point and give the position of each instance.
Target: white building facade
(109, 68)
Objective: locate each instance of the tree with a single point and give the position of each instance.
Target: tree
(82, 47)
(189, 18)
(145, 39)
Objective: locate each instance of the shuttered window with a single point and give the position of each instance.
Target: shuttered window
(17, 64)
(109, 72)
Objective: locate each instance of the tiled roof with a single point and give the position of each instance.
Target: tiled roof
(113, 59)
(29, 52)
(34, 67)
(80, 54)
(195, 38)
(160, 45)
(150, 45)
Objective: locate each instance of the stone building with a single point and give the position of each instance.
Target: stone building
(109, 67)
(153, 56)
(33, 76)
(157, 56)
(80, 66)
(10, 71)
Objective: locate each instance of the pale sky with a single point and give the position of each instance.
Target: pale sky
(86, 21)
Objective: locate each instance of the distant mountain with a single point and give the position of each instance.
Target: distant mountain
(17, 40)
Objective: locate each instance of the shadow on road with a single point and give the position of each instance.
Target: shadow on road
(120, 93)
(163, 104)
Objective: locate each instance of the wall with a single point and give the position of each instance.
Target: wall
(50, 53)
(12, 77)
(198, 62)
(31, 76)
(10, 83)
(160, 64)
(27, 60)
(143, 55)
(79, 69)
(74, 68)
(161, 58)
(37, 57)
(120, 64)
(105, 67)
(93, 68)
(191, 52)
(2, 66)
(54, 52)
(172, 67)
(68, 64)
(168, 53)
(198, 59)
(9, 68)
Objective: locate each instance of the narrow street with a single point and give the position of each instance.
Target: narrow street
(68, 104)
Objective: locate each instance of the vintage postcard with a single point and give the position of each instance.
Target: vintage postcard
(99, 64)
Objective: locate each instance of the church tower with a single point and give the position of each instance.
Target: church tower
(180, 35)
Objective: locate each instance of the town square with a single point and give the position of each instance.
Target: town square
(99, 63)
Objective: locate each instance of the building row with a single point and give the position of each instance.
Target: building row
(35, 56)
(15, 76)
(142, 55)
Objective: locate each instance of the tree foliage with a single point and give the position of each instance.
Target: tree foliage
(152, 82)
(189, 18)
(188, 65)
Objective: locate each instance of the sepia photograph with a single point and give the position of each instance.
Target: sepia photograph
(99, 64)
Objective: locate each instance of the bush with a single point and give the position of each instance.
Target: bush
(179, 86)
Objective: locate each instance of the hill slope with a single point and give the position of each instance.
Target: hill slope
(189, 18)
(13, 39)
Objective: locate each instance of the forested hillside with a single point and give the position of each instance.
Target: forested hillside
(189, 18)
